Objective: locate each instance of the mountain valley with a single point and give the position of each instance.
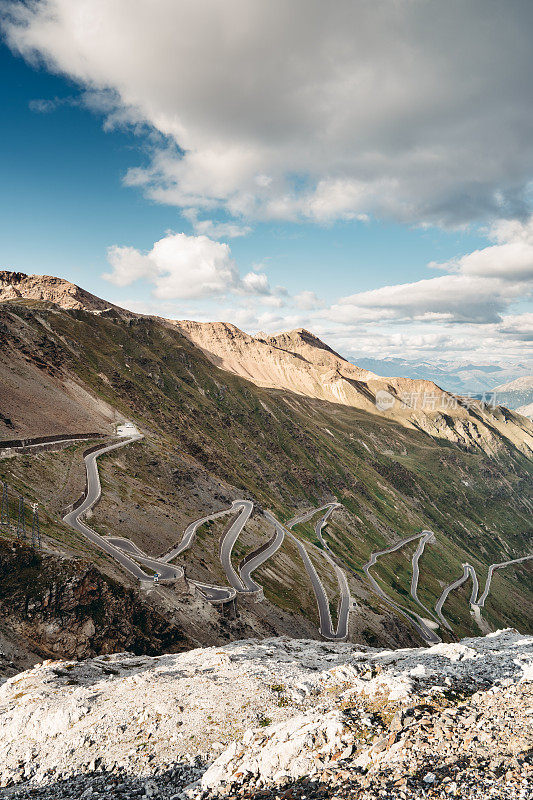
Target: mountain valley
(283, 422)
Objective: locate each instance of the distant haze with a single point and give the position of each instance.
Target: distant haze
(453, 376)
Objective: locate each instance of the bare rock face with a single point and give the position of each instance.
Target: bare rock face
(300, 362)
(60, 608)
(297, 361)
(18, 286)
(261, 714)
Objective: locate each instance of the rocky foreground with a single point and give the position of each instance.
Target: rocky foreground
(276, 718)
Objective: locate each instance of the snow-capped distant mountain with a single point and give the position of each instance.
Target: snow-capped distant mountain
(458, 377)
(517, 394)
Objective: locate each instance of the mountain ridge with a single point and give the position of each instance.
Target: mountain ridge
(455, 376)
(212, 437)
(524, 382)
(59, 291)
(298, 361)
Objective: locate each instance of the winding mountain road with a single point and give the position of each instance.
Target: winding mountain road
(481, 601)
(345, 604)
(468, 570)
(93, 493)
(419, 623)
(427, 536)
(190, 532)
(253, 560)
(228, 541)
(476, 602)
(130, 556)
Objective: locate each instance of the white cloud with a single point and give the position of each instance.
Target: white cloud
(216, 230)
(510, 259)
(129, 265)
(518, 326)
(43, 106)
(406, 109)
(182, 266)
(307, 300)
(479, 287)
(449, 298)
(256, 283)
(192, 266)
(179, 266)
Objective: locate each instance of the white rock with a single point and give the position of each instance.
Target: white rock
(215, 694)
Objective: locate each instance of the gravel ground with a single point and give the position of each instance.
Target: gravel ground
(478, 749)
(275, 719)
(116, 785)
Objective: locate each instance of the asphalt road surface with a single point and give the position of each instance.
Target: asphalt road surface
(190, 532)
(427, 536)
(94, 490)
(421, 626)
(345, 604)
(254, 560)
(228, 541)
(128, 554)
(468, 571)
(215, 594)
(481, 601)
(476, 602)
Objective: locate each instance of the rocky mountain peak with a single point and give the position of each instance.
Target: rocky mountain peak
(8, 278)
(50, 289)
(300, 337)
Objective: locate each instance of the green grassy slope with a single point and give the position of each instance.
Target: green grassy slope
(212, 437)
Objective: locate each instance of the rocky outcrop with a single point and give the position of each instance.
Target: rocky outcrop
(66, 609)
(271, 713)
(352, 733)
(19, 286)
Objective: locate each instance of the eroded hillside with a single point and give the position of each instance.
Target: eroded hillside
(300, 362)
(212, 437)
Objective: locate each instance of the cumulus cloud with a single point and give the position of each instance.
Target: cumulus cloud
(511, 259)
(479, 286)
(307, 300)
(216, 230)
(179, 266)
(182, 266)
(417, 110)
(518, 326)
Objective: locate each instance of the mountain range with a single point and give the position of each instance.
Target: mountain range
(281, 423)
(455, 376)
(517, 394)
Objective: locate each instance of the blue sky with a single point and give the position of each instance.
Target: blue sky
(202, 190)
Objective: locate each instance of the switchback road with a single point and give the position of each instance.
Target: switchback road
(93, 492)
(476, 602)
(130, 556)
(228, 541)
(415, 619)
